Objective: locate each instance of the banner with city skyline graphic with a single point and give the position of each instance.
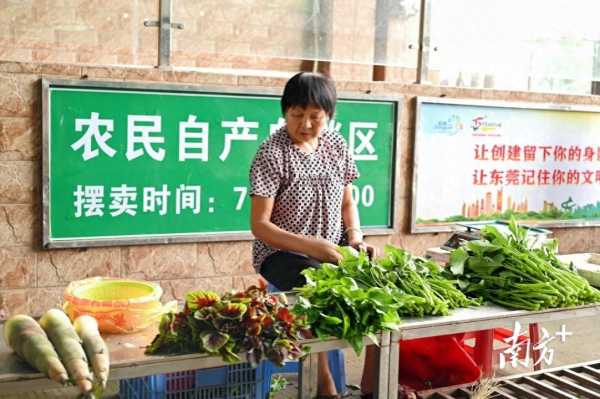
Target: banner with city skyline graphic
(484, 160)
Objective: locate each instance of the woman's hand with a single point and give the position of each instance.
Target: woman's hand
(360, 245)
(322, 250)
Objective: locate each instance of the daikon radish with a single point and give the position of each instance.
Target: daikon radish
(59, 329)
(94, 346)
(29, 341)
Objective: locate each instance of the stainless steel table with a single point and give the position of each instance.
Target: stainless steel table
(308, 371)
(473, 319)
(128, 361)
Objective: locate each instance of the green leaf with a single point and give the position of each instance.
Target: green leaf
(348, 253)
(228, 355)
(482, 247)
(212, 341)
(346, 321)
(373, 337)
(332, 320)
(199, 299)
(356, 342)
(233, 311)
(457, 260)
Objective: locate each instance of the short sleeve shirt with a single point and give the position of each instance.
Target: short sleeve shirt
(307, 187)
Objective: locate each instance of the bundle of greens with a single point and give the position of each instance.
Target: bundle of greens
(360, 297)
(349, 301)
(505, 270)
(254, 321)
(422, 278)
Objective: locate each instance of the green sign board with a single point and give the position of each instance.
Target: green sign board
(127, 163)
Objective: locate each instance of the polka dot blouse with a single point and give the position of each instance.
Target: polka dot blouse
(307, 187)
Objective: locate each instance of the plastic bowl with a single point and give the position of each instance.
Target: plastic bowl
(121, 306)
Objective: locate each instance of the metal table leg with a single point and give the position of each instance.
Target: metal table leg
(383, 365)
(394, 359)
(307, 386)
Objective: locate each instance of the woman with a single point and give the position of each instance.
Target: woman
(302, 205)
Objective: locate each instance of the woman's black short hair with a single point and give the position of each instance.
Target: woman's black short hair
(306, 88)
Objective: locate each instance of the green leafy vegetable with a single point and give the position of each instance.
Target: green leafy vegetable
(253, 321)
(360, 297)
(507, 271)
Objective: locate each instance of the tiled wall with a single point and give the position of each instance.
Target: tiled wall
(32, 279)
(260, 34)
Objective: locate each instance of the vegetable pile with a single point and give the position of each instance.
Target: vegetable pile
(360, 297)
(61, 333)
(506, 271)
(254, 321)
(58, 349)
(433, 294)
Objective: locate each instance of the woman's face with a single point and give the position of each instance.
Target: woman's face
(305, 124)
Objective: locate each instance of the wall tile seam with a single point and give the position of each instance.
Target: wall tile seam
(16, 118)
(591, 99)
(187, 278)
(40, 69)
(19, 245)
(36, 280)
(13, 290)
(201, 278)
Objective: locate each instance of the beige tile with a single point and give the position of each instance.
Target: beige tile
(18, 182)
(12, 302)
(20, 139)
(54, 56)
(39, 300)
(178, 76)
(160, 262)
(19, 224)
(262, 81)
(205, 266)
(18, 267)
(176, 289)
(418, 244)
(352, 86)
(232, 258)
(461, 92)
(60, 267)
(54, 66)
(144, 74)
(211, 79)
(427, 90)
(76, 38)
(573, 240)
(594, 244)
(241, 283)
(19, 95)
(20, 67)
(491, 94)
(99, 72)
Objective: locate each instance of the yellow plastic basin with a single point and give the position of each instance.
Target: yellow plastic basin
(121, 306)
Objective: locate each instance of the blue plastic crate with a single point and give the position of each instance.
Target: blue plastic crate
(336, 366)
(148, 387)
(239, 381)
(335, 359)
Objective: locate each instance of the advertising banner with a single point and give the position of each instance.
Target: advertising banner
(477, 161)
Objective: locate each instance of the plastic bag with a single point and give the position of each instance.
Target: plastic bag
(120, 306)
(435, 362)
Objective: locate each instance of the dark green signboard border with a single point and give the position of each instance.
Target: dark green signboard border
(62, 104)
